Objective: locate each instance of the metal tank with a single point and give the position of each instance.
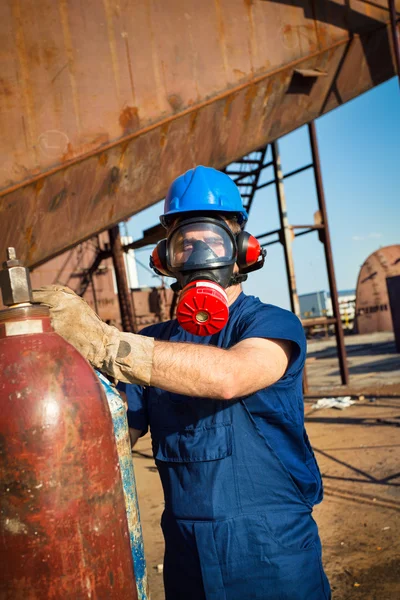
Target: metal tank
(63, 525)
(103, 104)
(373, 311)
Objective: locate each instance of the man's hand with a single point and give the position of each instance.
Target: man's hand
(125, 356)
(76, 322)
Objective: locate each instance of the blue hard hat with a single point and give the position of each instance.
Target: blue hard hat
(203, 189)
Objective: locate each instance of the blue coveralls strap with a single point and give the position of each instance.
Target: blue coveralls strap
(237, 524)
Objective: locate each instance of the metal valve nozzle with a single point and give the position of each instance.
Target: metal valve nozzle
(15, 282)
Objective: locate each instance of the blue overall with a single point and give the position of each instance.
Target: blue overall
(239, 477)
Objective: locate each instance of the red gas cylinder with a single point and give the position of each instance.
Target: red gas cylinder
(63, 525)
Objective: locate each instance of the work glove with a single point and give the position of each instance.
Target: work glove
(125, 356)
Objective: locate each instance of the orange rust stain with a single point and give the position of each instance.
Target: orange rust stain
(68, 154)
(239, 73)
(30, 242)
(251, 93)
(221, 34)
(163, 134)
(50, 54)
(32, 52)
(193, 121)
(103, 159)
(4, 89)
(282, 77)
(129, 119)
(227, 107)
(268, 93)
(324, 38)
(39, 185)
(290, 36)
(111, 214)
(175, 102)
(28, 234)
(114, 179)
(123, 148)
(310, 34)
(368, 10)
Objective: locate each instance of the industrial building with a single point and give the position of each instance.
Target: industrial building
(319, 304)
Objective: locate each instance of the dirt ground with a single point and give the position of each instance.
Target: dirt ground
(358, 450)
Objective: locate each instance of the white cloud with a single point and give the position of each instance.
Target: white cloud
(359, 238)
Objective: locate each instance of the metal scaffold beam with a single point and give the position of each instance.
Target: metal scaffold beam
(244, 173)
(325, 238)
(124, 297)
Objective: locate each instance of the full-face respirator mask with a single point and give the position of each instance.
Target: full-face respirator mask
(201, 253)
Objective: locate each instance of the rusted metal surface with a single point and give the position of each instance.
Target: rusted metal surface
(103, 104)
(124, 297)
(372, 301)
(63, 525)
(326, 239)
(152, 305)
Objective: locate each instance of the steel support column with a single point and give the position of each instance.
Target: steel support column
(285, 234)
(124, 296)
(344, 372)
(286, 238)
(395, 35)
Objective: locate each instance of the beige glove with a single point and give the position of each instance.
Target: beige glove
(125, 356)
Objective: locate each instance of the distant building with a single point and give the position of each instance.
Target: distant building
(319, 304)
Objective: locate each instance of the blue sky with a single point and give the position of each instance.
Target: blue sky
(359, 145)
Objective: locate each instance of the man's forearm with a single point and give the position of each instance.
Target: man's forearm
(192, 370)
(209, 372)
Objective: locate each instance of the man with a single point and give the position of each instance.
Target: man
(221, 389)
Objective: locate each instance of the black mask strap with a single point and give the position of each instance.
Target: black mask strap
(237, 278)
(176, 287)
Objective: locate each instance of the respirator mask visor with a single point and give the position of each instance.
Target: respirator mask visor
(199, 245)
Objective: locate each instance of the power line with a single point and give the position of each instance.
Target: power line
(147, 268)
